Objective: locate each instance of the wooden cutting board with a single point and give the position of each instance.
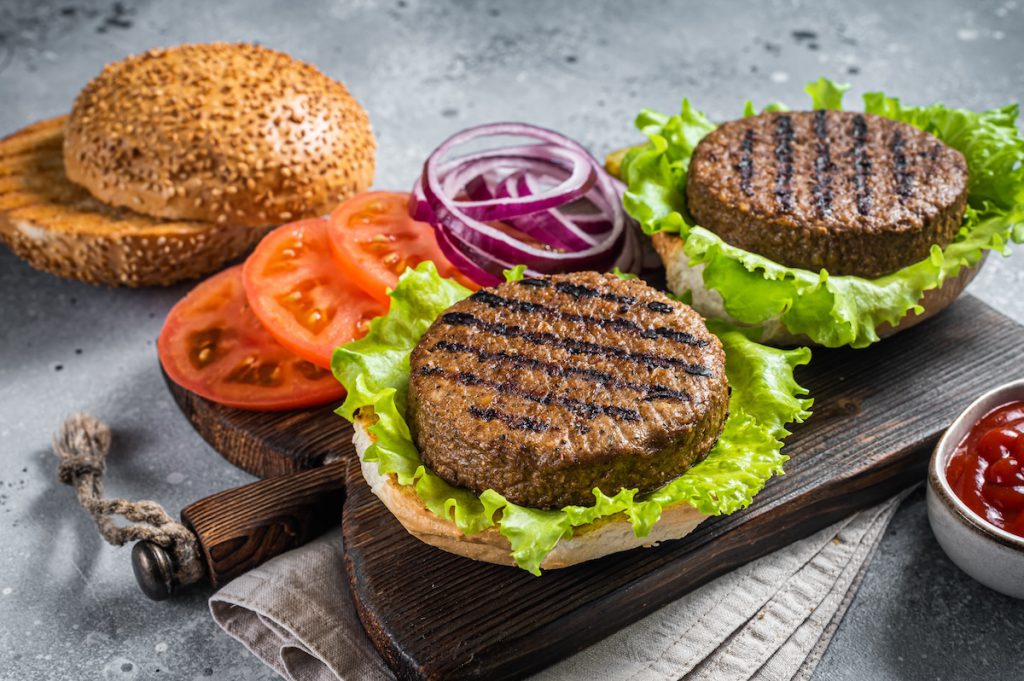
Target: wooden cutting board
(877, 415)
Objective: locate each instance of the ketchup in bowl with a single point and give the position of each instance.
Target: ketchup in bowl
(986, 471)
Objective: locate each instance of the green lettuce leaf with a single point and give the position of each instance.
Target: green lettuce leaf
(833, 310)
(515, 274)
(826, 94)
(375, 372)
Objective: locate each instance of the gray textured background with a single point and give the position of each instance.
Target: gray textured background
(69, 608)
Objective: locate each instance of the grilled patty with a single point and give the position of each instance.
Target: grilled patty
(849, 192)
(546, 388)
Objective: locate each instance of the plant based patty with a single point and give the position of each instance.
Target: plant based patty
(546, 388)
(849, 192)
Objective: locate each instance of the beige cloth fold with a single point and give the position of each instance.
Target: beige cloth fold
(296, 614)
(771, 619)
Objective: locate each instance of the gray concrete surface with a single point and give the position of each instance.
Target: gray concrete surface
(69, 608)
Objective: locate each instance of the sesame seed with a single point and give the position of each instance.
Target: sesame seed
(182, 139)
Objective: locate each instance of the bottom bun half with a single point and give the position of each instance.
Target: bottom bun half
(681, 277)
(59, 227)
(589, 542)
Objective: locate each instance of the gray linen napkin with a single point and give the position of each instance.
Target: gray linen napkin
(770, 619)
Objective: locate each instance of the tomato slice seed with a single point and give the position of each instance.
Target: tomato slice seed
(213, 345)
(375, 241)
(296, 289)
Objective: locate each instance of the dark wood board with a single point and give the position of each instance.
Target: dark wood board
(267, 444)
(878, 413)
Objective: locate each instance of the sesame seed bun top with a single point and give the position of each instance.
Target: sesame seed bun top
(228, 133)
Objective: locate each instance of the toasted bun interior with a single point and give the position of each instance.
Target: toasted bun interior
(590, 542)
(224, 133)
(682, 277)
(58, 227)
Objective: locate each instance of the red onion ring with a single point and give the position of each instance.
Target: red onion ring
(549, 226)
(491, 211)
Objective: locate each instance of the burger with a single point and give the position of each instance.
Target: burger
(175, 161)
(826, 226)
(555, 419)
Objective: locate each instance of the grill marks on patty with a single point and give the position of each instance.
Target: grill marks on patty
(509, 360)
(513, 422)
(823, 166)
(861, 163)
(578, 291)
(588, 410)
(745, 166)
(617, 323)
(547, 388)
(783, 137)
(486, 317)
(854, 193)
(574, 346)
(900, 167)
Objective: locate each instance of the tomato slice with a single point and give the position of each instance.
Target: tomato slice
(213, 345)
(374, 240)
(302, 297)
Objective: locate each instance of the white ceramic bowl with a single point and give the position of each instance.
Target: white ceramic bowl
(990, 555)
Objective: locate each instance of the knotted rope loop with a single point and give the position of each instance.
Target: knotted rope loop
(82, 445)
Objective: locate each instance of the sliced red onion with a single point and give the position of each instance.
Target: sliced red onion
(464, 264)
(549, 226)
(591, 223)
(419, 209)
(580, 179)
(525, 188)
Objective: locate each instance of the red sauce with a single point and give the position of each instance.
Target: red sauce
(987, 469)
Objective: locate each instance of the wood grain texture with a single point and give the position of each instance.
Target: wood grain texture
(266, 444)
(301, 497)
(243, 527)
(432, 615)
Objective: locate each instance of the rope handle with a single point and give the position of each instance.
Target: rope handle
(82, 445)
